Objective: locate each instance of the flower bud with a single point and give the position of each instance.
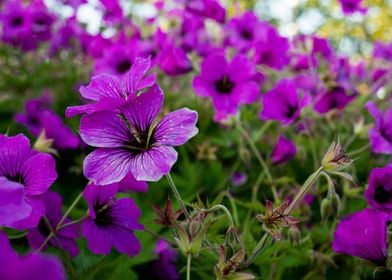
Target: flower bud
(294, 234)
(335, 158)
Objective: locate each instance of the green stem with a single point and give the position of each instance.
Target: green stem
(17, 236)
(178, 196)
(257, 250)
(70, 208)
(149, 231)
(224, 209)
(71, 223)
(188, 267)
(360, 150)
(305, 188)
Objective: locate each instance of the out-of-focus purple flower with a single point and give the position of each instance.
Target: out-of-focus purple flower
(321, 46)
(13, 207)
(271, 49)
(39, 117)
(164, 267)
(382, 50)
(363, 234)
(242, 32)
(352, 6)
(173, 61)
(381, 134)
(109, 92)
(283, 103)
(238, 179)
(228, 84)
(205, 8)
(65, 237)
(283, 151)
(113, 12)
(132, 143)
(379, 192)
(129, 184)
(117, 59)
(336, 98)
(111, 221)
(309, 199)
(30, 266)
(41, 21)
(73, 3)
(34, 171)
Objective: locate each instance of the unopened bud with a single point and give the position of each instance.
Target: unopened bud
(335, 158)
(294, 234)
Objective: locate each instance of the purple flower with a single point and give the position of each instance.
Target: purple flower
(129, 184)
(131, 142)
(13, 207)
(352, 6)
(271, 49)
(363, 234)
(65, 238)
(238, 179)
(38, 117)
(379, 192)
(381, 134)
(283, 103)
(34, 171)
(30, 266)
(112, 11)
(111, 221)
(205, 8)
(173, 61)
(336, 98)
(229, 84)
(109, 92)
(382, 50)
(164, 267)
(283, 151)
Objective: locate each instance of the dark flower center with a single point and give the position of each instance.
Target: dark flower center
(17, 21)
(124, 66)
(103, 215)
(381, 195)
(384, 133)
(224, 85)
(246, 34)
(291, 110)
(43, 228)
(266, 57)
(139, 141)
(18, 178)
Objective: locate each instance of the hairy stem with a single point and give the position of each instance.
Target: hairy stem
(188, 267)
(257, 250)
(224, 209)
(178, 196)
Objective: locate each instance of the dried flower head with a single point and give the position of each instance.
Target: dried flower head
(275, 219)
(335, 158)
(166, 215)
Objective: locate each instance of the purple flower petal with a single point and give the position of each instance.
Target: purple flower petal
(176, 128)
(101, 86)
(126, 242)
(99, 240)
(130, 184)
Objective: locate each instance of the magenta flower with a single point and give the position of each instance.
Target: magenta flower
(129, 184)
(228, 84)
(111, 221)
(113, 12)
(336, 98)
(382, 50)
(13, 207)
(164, 268)
(352, 6)
(132, 142)
(381, 134)
(283, 103)
(30, 266)
(39, 117)
(283, 151)
(238, 179)
(205, 8)
(173, 61)
(379, 192)
(33, 171)
(65, 238)
(363, 234)
(109, 93)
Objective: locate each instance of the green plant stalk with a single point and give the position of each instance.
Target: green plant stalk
(305, 188)
(224, 209)
(188, 267)
(177, 196)
(257, 250)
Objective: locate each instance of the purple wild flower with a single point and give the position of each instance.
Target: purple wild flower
(229, 84)
(173, 61)
(32, 170)
(111, 222)
(113, 12)
(379, 192)
(39, 117)
(13, 207)
(381, 134)
(283, 103)
(109, 93)
(238, 179)
(363, 234)
(336, 98)
(30, 266)
(164, 267)
(382, 50)
(134, 141)
(65, 237)
(351, 6)
(205, 8)
(130, 184)
(283, 151)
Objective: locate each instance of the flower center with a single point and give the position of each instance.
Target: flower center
(124, 66)
(17, 178)
(103, 217)
(381, 195)
(246, 34)
(291, 110)
(224, 85)
(17, 21)
(43, 228)
(387, 135)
